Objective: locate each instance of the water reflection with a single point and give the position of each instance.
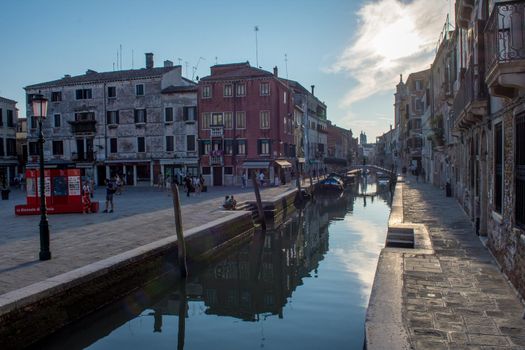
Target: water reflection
(308, 280)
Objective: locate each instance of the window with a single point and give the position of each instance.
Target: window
(58, 148)
(241, 90)
(1, 147)
(520, 170)
(169, 143)
(216, 119)
(285, 97)
(11, 147)
(206, 170)
(56, 96)
(83, 94)
(188, 113)
(1, 117)
(33, 148)
(228, 170)
(140, 116)
(419, 85)
(113, 145)
(10, 119)
(265, 89)
(206, 120)
(141, 145)
(168, 114)
(112, 91)
(56, 120)
(206, 91)
(241, 147)
(112, 117)
(241, 120)
(228, 90)
(228, 147)
(207, 147)
(264, 147)
(264, 120)
(498, 167)
(190, 143)
(139, 90)
(33, 122)
(228, 120)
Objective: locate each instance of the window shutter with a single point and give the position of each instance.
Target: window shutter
(235, 147)
(136, 116)
(201, 148)
(185, 113)
(108, 117)
(117, 117)
(259, 150)
(145, 116)
(270, 147)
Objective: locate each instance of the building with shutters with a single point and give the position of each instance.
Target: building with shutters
(8, 155)
(138, 123)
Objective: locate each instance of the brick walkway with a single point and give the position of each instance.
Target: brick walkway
(455, 298)
(142, 215)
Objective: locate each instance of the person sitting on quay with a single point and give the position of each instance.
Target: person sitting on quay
(229, 203)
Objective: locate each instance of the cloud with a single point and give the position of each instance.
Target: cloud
(394, 37)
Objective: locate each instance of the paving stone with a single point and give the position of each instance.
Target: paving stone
(480, 339)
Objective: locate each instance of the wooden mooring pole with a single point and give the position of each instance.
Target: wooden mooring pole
(181, 245)
(258, 199)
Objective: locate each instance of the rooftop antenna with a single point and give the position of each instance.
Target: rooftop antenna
(117, 60)
(286, 64)
(186, 64)
(120, 56)
(216, 60)
(132, 59)
(180, 61)
(196, 66)
(113, 66)
(256, 28)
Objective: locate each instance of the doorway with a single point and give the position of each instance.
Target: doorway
(217, 176)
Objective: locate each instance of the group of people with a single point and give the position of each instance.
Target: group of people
(194, 184)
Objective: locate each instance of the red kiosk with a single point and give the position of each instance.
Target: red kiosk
(62, 190)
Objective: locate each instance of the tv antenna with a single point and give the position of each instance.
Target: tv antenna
(286, 64)
(196, 66)
(256, 29)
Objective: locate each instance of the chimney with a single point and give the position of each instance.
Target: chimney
(275, 71)
(313, 88)
(149, 60)
(390, 127)
(168, 63)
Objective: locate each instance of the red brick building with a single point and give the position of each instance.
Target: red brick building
(246, 123)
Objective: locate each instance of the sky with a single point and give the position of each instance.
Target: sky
(353, 51)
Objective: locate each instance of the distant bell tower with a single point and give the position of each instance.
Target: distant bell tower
(362, 138)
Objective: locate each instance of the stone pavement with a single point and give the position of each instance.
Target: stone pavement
(456, 298)
(142, 216)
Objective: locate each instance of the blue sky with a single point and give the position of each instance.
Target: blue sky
(352, 50)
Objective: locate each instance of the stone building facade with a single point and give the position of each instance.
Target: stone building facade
(140, 124)
(8, 155)
(478, 98)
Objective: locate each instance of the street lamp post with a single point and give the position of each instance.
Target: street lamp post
(40, 112)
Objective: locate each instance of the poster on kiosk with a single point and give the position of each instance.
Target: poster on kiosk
(62, 190)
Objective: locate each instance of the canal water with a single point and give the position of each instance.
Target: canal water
(302, 286)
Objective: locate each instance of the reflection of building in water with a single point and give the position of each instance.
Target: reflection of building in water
(260, 277)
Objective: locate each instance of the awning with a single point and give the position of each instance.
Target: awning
(283, 163)
(255, 165)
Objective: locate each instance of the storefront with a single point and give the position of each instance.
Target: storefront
(254, 167)
(282, 171)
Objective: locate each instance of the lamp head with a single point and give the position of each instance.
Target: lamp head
(39, 106)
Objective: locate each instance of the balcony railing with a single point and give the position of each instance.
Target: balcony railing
(83, 157)
(216, 131)
(472, 94)
(83, 126)
(505, 33)
(216, 160)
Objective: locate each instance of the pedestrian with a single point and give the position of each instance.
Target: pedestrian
(201, 183)
(110, 190)
(187, 183)
(196, 185)
(243, 179)
(118, 184)
(86, 200)
(261, 178)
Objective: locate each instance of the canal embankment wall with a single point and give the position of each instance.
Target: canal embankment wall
(33, 312)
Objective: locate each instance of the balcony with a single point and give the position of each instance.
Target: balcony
(216, 132)
(84, 126)
(83, 157)
(216, 160)
(505, 49)
(471, 101)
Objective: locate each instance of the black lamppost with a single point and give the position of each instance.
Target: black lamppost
(40, 112)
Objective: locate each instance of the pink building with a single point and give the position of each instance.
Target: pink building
(246, 125)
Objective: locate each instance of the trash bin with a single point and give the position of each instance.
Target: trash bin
(5, 195)
(448, 189)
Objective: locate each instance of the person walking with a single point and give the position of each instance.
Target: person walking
(110, 190)
(244, 179)
(86, 200)
(201, 183)
(187, 183)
